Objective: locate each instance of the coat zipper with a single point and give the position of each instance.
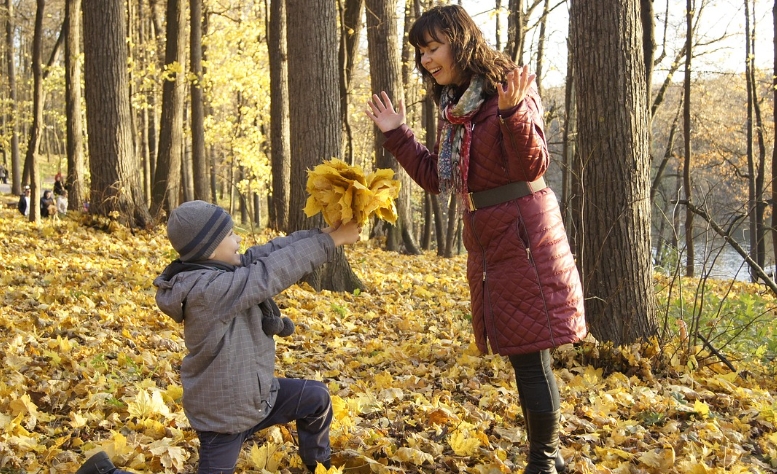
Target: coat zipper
(487, 314)
(530, 257)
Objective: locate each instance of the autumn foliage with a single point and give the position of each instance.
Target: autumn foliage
(90, 363)
(344, 193)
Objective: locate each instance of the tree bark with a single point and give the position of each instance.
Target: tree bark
(75, 127)
(541, 45)
(614, 146)
(279, 113)
(350, 31)
(515, 22)
(199, 160)
(690, 254)
(430, 124)
(16, 164)
(167, 179)
(115, 186)
(314, 119)
(752, 172)
(570, 196)
(774, 135)
(648, 40)
(31, 160)
(385, 75)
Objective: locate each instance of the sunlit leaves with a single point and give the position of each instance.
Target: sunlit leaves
(89, 363)
(343, 193)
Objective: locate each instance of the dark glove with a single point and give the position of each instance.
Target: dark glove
(272, 322)
(274, 325)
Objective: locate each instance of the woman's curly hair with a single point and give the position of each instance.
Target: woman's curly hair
(471, 52)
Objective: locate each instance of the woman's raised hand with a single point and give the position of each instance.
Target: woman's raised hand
(382, 112)
(516, 87)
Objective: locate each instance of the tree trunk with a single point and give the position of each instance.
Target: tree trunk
(774, 135)
(430, 124)
(167, 179)
(75, 127)
(385, 70)
(690, 254)
(515, 23)
(614, 145)
(752, 167)
(314, 119)
(570, 198)
(31, 160)
(115, 186)
(450, 234)
(648, 40)
(350, 31)
(199, 160)
(279, 113)
(16, 164)
(541, 45)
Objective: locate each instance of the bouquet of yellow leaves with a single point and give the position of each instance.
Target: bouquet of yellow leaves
(342, 193)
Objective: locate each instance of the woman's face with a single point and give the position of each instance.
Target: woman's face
(437, 59)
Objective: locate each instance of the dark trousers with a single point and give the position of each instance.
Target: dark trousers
(535, 380)
(306, 401)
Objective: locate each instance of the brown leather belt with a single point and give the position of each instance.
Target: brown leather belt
(508, 192)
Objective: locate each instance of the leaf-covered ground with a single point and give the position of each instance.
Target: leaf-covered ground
(88, 363)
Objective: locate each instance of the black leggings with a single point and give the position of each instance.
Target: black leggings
(536, 383)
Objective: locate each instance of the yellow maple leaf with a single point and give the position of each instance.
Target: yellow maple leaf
(145, 405)
(662, 458)
(77, 420)
(265, 457)
(701, 408)
(463, 444)
(341, 192)
(169, 455)
(412, 455)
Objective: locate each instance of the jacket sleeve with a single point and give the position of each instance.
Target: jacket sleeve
(259, 251)
(415, 158)
(273, 271)
(524, 139)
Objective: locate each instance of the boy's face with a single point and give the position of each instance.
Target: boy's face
(228, 250)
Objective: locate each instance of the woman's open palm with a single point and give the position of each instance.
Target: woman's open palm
(382, 112)
(516, 87)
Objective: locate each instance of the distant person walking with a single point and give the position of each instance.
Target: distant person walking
(62, 202)
(24, 202)
(59, 186)
(47, 206)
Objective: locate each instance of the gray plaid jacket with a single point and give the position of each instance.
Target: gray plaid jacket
(228, 374)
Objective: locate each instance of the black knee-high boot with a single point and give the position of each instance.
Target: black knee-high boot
(543, 429)
(561, 465)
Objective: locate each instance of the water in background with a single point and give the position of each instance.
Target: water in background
(716, 259)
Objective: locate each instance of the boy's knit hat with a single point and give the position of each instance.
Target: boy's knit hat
(196, 228)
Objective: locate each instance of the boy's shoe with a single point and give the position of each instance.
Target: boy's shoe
(100, 463)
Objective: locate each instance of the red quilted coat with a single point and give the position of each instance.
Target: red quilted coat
(524, 286)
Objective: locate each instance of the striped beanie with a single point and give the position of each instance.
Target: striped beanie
(196, 228)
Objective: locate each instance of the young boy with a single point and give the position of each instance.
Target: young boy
(224, 300)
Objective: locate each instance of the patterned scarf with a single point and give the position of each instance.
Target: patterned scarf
(456, 135)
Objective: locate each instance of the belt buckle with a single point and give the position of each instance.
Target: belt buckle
(471, 202)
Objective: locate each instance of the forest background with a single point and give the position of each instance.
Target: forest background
(170, 119)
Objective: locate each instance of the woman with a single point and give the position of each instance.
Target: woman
(491, 151)
(47, 206)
